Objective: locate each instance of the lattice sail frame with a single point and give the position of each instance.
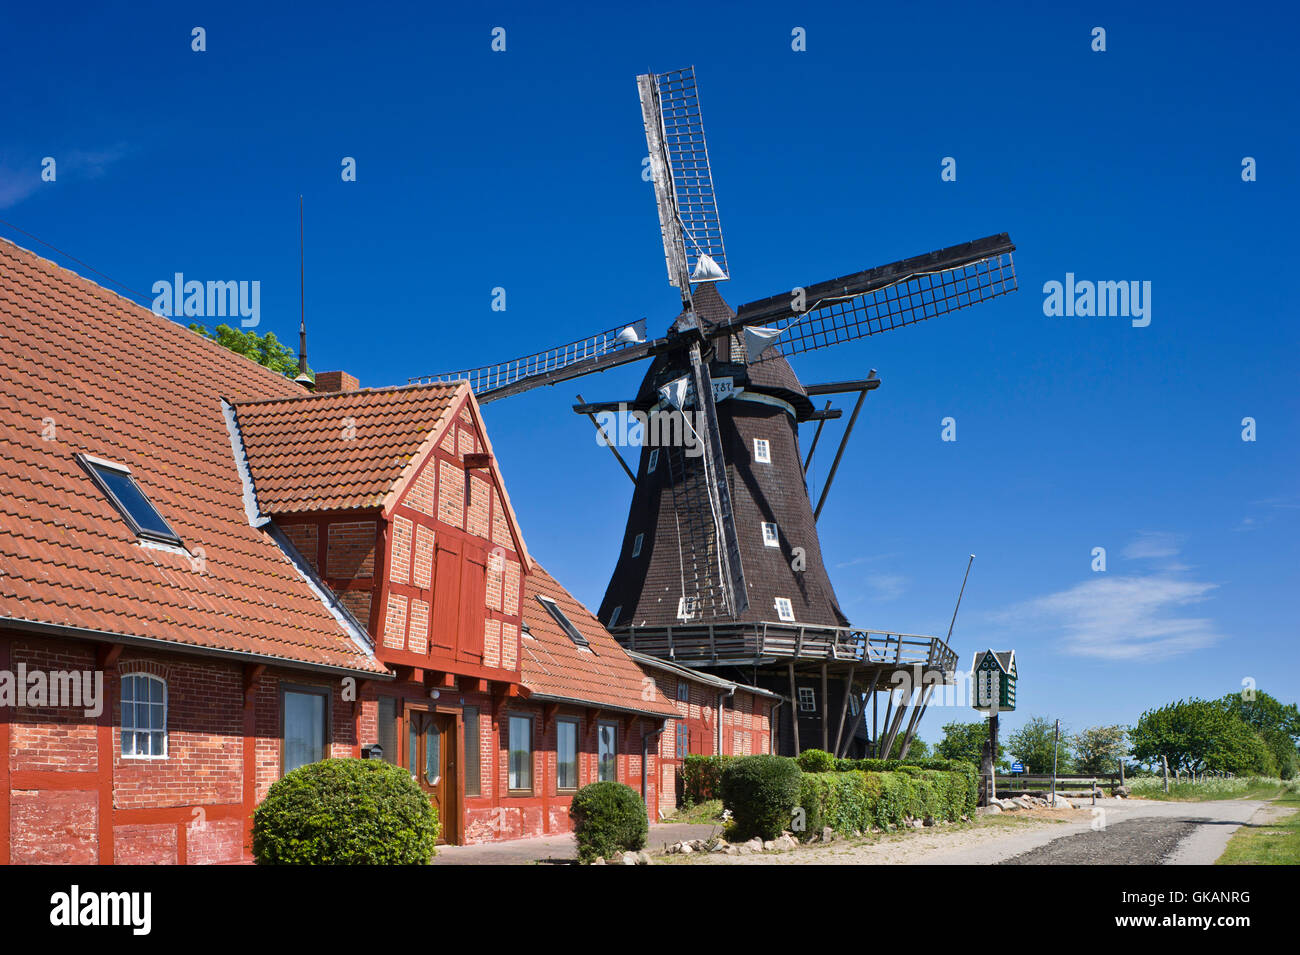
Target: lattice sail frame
(689, 172)
(490, 377)
(909, 300)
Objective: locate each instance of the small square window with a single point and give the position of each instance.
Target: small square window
(636, 544)
(807, 700)
(784, 611)
(762, 451)
(686, 607)
(117, 484)
(653, 462)
(770, 536)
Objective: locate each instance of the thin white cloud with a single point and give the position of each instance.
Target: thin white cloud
(1153, 545)
(1122, 618)
(18, 180)
(886, 587)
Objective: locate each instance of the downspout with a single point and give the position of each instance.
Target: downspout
(772, 724)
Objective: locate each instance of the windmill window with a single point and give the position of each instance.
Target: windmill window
(565, 623)
(762, 451)
(613, 617)
(116, 483)
(686, 607)
(683, 691)
(653, 462)
(807, 700)
(770, 536)
(784, 610)
(636, 544)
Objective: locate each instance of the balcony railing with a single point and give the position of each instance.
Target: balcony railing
(752, 642)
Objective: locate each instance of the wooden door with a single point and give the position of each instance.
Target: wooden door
(431, 760)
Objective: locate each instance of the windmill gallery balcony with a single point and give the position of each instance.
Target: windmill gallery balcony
(766, 642)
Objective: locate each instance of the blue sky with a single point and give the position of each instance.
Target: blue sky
(522, 169)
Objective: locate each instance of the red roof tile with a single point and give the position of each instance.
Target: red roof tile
(339, 451)
(554, 666)
(84, 370)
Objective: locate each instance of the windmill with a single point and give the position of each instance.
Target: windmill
(721, 565)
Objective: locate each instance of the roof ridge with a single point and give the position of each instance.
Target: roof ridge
(325, 396)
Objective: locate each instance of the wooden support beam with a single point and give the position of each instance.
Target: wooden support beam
(839, 453)
(862, 715)
(609, 443)
(794, 710)
(915, 722)
(844, 710)
(817, 435)
(826, 714)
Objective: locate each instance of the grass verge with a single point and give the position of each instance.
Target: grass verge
(1275, 843)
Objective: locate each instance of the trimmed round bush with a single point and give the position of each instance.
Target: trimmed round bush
(815, 761)
(761, 792)
(608, 818)
(345, 812)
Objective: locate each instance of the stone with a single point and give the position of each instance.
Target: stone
(721, 846)
(684, 848)
(828, 834)
(785, 842)
(643, 858)
(629, 858)
(994, 809)
(754, 845)
(769, 845)
(599, 861)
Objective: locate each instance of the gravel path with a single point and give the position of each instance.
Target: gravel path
(1143, 841)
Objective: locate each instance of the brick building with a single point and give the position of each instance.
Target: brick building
(256, 578)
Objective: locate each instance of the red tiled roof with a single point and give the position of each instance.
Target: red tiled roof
(339, 451)
(84, 370)
(554, 666)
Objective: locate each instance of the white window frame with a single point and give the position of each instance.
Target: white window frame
(784, 609)
(131, 727)
(807, 700)
(653, 462)
(682, 607)
(771, 538)
(762, 451)
(636, 544)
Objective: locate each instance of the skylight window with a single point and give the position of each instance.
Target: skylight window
(565, 623)
(770, 536)
(117, 484)
(654, 461)
(783, 609)
(636, 544)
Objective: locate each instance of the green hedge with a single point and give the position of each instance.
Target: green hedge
(701, 779)
(345, 812)
(761, 792)
(608, 818)
(853, 799)
(815, 761)
(967, 772)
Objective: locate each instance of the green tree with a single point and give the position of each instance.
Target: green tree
(966, 741)
(1199, 736)
(1098, 749)
(266, 350)
(1277, 723)
(1032, 745)
(919, 749)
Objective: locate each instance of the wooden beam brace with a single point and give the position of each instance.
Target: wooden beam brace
(609, 443)
(844, 710)
(839, 453)
(817, 436)
(794, 710)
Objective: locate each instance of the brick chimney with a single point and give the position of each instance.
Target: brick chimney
(329, 382)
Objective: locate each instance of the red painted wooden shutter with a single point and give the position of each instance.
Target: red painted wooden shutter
(446, 596)
(473, 596)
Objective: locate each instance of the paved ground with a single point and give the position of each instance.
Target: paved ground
(1115, 832)
(556, 849)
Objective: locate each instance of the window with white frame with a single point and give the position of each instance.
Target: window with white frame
(653, 462)
(762, 451)
(784, 611)
(807, 700)
(144, 715)
(770, 536)
(686, 607)
(636, 544)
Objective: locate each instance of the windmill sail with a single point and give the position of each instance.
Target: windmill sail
(877, 300)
